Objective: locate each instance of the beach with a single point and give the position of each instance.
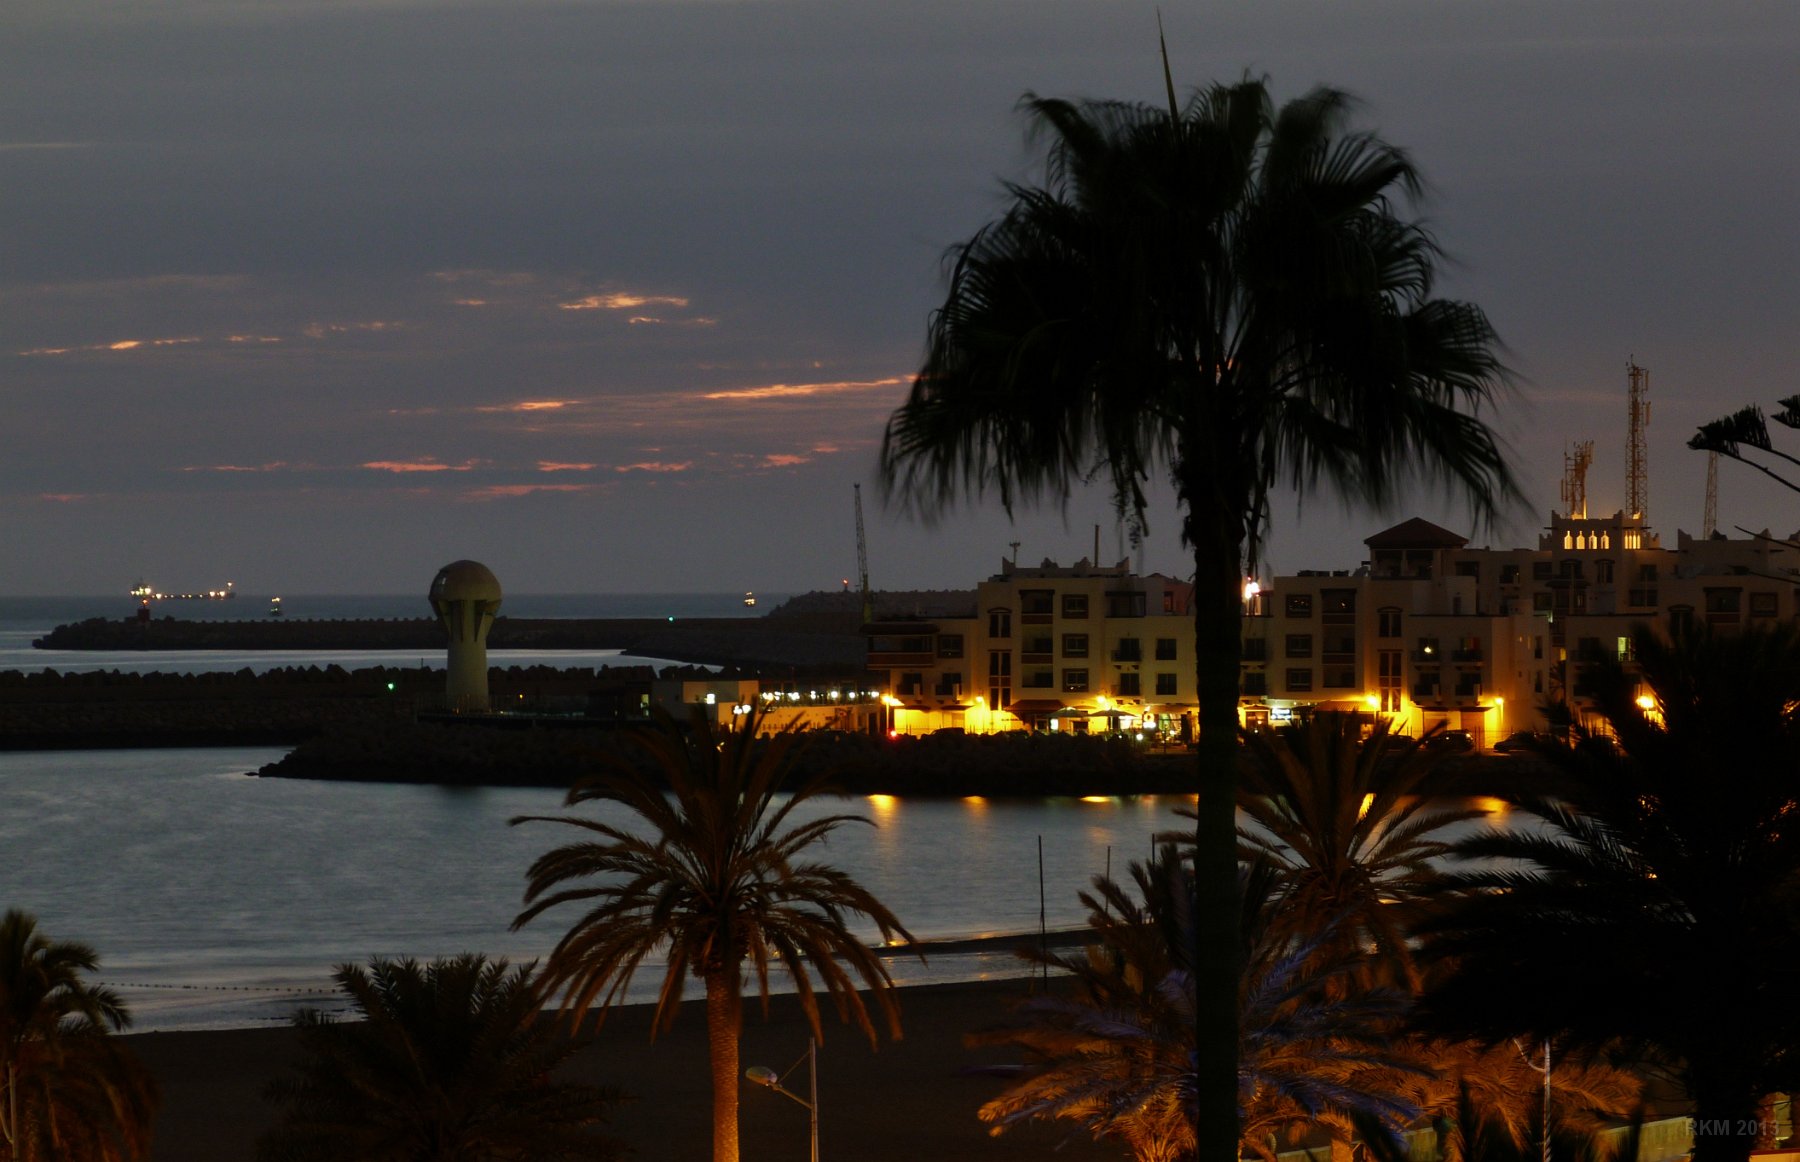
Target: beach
(905, 1101)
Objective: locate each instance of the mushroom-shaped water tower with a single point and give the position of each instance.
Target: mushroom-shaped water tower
(466, 596)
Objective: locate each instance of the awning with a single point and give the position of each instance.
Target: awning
(1035, 706)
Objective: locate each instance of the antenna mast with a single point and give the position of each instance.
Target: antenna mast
(1637, 467)
(862, 562)
(1574, 481)
(1709, 519)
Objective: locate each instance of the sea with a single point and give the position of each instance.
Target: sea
(24, 619)
(219, 900)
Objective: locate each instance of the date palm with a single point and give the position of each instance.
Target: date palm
(446, 1062)
(1117, 1055)
(709, 870)
(1351, 824)
(69, 1091)
(1230, 296)
(1657, 901)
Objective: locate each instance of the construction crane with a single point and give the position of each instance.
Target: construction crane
(862, 562)
(1637, 467)
(1574, 481)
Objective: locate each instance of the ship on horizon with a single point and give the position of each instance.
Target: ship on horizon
(146, 593)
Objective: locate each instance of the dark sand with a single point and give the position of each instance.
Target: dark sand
(909, 1100)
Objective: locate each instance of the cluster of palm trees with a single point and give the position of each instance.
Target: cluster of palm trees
(68, 1088)
(1341, 856)
(1636, 918)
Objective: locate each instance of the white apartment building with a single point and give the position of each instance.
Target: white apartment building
(1428, 632)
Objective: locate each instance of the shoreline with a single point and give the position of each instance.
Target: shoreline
(905, 1100)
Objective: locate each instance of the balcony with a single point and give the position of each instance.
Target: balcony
(1425, 691)
(1468, 655)
(901, 659)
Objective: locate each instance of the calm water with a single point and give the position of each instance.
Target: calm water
(217, 900)
(23, 619)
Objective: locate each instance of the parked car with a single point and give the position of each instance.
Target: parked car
(1523, 740)
(1452, 740)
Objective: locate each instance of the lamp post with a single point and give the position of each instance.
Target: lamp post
(764, 1076)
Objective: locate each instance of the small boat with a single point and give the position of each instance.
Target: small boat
(274, 607)
(749, 598)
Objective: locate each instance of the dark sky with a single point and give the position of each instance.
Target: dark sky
(616, 296)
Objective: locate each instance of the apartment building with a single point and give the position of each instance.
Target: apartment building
(1428, 633)
(1076, 648)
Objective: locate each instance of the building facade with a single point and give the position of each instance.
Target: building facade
(1080, 648)
(1428, 633)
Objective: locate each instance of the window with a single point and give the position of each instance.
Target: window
(999, 678)
(1299, 605)
(1125, 604)
(1540, 602)
(1339, 677)
(1681, 617)
(1338, 604)
(1509, 574)
(1763, 605)
(911, 683)
(1037, 642)
(1000, 623)
(1540, 570)
(1165, 649)
(1603, 572)
(1075, 605)
(1129, 686)
(1075, 681)
(1075, 645)
(949, 684)
(1723, 600)
(1469, 569)
(1166, 684)
(1256, 683)
(950, 645)
(1129, 649)
(1299, 645)
(1299, 679)
(1256, 649)
(1640, 596)
(1428, 650)
(1387, 622)
(1647, 574)
(1036, 602)
(1570, 569)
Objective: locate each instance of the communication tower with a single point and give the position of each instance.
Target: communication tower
(1637, 466)
(1574, 481)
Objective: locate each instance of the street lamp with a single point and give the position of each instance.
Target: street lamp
(764, 1076)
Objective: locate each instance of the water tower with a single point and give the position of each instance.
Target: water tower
(466, 596)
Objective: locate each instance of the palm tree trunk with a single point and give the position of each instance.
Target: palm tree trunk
(724, 1023)
(1218, 648)
(1726, 1108)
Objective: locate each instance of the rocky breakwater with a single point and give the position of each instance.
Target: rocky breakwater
(801, 639)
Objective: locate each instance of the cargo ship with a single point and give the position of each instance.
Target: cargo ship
(146, 592)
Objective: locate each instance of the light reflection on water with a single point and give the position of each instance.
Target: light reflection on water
(216, 899)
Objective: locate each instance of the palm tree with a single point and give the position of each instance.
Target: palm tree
(1226, 293)
(446, 1062)
(1349, 823)
(1658, 899)
(708, 872)
(68, 1090)
(1117, 1056)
